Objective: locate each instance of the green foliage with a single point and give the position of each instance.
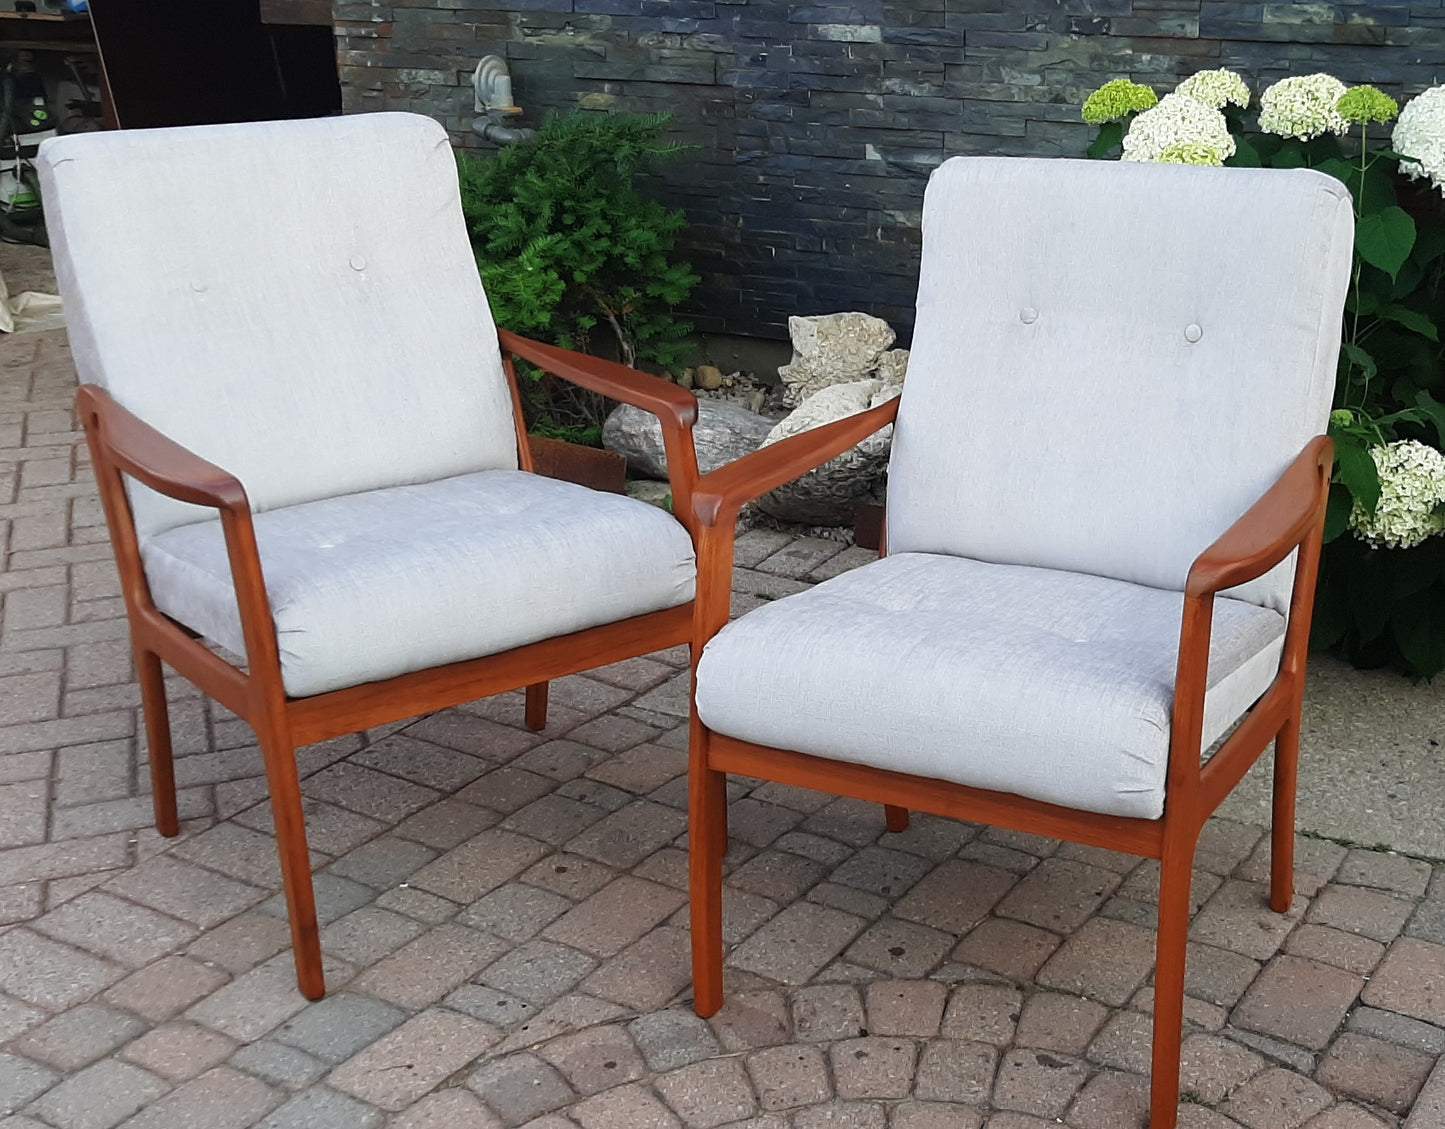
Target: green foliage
(1377, 606)
(572, 254)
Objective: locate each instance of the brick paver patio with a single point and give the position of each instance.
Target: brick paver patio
(505, 914)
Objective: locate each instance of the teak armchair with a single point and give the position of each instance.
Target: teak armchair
(1105, 505)
(375, 546)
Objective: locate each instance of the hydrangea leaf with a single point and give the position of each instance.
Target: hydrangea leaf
(1418, 568)
(1290, 155)
(1359, 474)
(1419, 630)
(1360, 360)
(1246, 156)
(1435, 412)
(1370, 602)
(1411, 320)
(1111, 136)
(1337, 511)
(1385, 239)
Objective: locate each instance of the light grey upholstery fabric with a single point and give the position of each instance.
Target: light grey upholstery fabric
(294, 301)
(1053, 685)
(366, 586)
(1113, 361)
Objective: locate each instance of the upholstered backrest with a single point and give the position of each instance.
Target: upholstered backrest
(1113, 361)
(295, 301)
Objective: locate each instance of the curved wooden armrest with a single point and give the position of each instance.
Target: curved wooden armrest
(721, 494)
(662, 398)
(145, 454)
(1270, 529)
(674, 407)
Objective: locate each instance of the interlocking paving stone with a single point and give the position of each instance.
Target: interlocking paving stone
(1038, 1082)
(795, 944)
(49, 974)
(78, 1037)
(1379, 1073)
(21, 1080)
(706, 1094)
(423, 971)
(447, 1109)
(1276, 1099)
(520, 1087)
(166, 988)
(100, 1096)
(222, 1098)
(1410, 980)
(320, 1108)
(178, 1051)
(120, 931)
(339, 1026)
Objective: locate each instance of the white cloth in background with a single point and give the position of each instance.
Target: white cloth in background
(29, 311)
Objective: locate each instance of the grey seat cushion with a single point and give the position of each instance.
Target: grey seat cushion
(1053, 685)
(370, 585)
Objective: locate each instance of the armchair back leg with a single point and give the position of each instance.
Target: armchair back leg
(279, 753)
(1286, 778)
(158, 741)
(707, 844)
(535, 714)
(896, 817)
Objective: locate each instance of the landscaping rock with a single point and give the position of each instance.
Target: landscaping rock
(832, 349)
(723, 432)
(830, 494)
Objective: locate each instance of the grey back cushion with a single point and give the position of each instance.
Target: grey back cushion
(1113, 361)
(295, 301)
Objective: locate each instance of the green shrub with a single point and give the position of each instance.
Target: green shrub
(570, 253)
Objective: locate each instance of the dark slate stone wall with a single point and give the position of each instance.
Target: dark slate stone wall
(817, 123)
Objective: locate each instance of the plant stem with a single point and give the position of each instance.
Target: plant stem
(1359, 265)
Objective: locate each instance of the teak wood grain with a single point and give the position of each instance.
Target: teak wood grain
(1289, 517)
(122, 445)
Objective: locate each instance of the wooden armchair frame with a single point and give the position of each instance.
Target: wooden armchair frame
(1289, 516)
(123, 445)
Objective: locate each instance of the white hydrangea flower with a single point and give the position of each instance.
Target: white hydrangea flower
(1303, 107)
(1216, 89)
(1412, 497)
(1420, 135)
(1178, 123)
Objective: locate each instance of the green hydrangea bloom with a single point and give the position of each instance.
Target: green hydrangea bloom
(1117, 99)
(1342, 417)
(1360, 105)
(1190, 153)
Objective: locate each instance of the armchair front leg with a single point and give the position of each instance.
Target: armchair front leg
(123, 444)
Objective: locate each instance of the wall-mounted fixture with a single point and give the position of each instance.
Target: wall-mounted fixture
(492, 86)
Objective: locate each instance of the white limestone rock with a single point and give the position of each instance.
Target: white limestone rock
(832, 349)
(723, 432)
(830, 494)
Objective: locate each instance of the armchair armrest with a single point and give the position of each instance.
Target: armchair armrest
(123, 443)
(152, 458)
(1270, 529)
(1282, 521)
(674, 407)
(721, 494)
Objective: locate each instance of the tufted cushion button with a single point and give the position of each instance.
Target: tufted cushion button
(358, 262)
(1028, 315)
(199, 287)
(1192, 333)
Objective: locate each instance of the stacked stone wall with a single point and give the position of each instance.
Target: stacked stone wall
(816, 124)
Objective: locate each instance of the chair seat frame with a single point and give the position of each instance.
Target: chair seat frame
(1288, 518)
(122, 445)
